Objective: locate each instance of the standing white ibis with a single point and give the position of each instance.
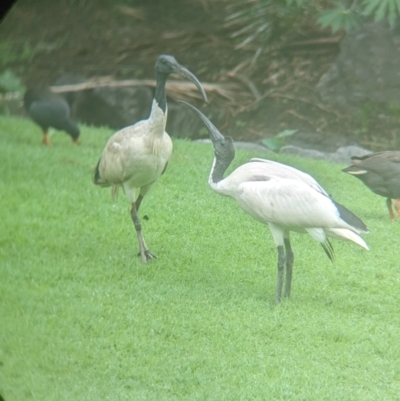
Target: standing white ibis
(49, 109)
(284, 198)
(136, 156)
(380, 172)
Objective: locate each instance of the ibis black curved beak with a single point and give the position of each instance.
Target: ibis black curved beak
(167, 64)
(213, 130)
(185, 73)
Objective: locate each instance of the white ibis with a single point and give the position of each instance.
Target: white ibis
(380, 172)
(49, 109)
(284, 198)
(136, 156)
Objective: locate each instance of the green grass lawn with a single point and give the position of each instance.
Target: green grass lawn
(83, 319)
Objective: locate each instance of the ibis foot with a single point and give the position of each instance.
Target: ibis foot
(147, 256)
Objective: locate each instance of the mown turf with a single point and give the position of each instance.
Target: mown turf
(83, 319)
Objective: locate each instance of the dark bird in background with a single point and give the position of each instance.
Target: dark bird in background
(136, 156)
(380, 172)
(50, 110)
(284, 198)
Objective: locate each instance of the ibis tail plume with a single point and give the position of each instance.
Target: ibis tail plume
(136, 156)
(380, 172)
(283, 197)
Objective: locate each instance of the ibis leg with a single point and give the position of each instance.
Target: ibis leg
(397, 206)
(145, 254)
(289, 267)
(389, 206)
(46, 140)
(138, 202)
(281, 272)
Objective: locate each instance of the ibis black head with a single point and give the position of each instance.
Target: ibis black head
(224, 149)
(166, 64)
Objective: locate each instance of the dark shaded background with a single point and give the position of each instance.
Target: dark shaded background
(122, 40)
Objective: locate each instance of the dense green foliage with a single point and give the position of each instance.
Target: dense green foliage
(83, 319)
(265, 21)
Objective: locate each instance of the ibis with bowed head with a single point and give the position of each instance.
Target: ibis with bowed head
(380, 172)
(50, 110)
(284, 198)
(136, 156)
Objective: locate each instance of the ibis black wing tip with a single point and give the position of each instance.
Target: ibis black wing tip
(350, 218)
(328, 248)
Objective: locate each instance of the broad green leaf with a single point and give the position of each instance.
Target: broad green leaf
(371, 5)
(286, 133)
(10, 82)
(340, 18)
(392, 13)
(274, 144)
(328, 18)
(381, 12)
(298, 3)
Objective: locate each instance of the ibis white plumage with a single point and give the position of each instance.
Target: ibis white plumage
(283, 197)
(136, 156)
